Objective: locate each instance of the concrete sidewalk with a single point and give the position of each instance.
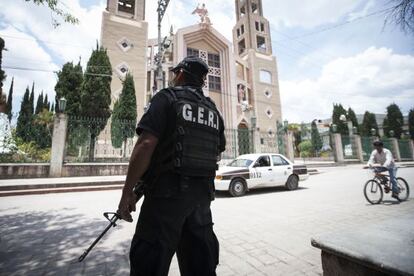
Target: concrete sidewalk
(12, 187)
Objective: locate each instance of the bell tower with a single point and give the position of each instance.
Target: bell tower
(257, 78)
(133, 9)
(252, 30)
(124, 34)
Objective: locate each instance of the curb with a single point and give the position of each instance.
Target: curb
(60, 190)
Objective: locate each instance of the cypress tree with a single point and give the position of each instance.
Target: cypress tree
(96, 94)
(31, 100)
(10, 101)
(52, 108)
(316, 138)
(39, 104)
(46, 103)
(369, 122)
(411, 123)
(353, 118)
(2, 74)
(24, 121)
(393, 121)
(124, 117)
(342, 126)
(69, 85)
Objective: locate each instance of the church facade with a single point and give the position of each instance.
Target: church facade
(242, 80)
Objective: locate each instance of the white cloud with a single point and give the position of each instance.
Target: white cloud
(28, 54)
(179, 15)
(370, 81)
(33, 43)
(307, 14)
(67, 42)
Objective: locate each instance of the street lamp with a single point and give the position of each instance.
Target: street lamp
(391, 133)
(62, 104)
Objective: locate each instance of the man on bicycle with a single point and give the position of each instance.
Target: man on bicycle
(383, 157)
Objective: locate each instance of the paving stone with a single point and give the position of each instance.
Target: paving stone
(262, 233)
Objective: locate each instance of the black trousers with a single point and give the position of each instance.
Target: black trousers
(167, 226)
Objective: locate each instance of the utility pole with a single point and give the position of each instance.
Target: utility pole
(162, 7)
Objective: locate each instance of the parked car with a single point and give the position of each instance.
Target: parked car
(252, 171)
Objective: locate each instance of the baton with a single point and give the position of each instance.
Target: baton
(139, 192)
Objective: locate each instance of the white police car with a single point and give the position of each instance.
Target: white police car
(251, 171)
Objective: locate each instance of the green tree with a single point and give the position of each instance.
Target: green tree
(10, 101)
(2, 74)
(369, 122)
(315, 138)
(24, 121)
(297, 135)
(351, 116)
(53, 5)
(52, 108)
(124, 117)
(31, 100)
(393, 121)
(305, 148)
(96, 94)
(43, 122)
(39, 104)
(342, 126)
(411, 123)
(46, 103)
(69, 85)
(116, 132)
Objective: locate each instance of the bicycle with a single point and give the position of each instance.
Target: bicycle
(374, 191)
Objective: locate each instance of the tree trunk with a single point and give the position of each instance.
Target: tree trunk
(92, 148)
(125, 148)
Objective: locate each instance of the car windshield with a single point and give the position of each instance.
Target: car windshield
(240, 163)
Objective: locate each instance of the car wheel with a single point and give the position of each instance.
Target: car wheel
(292, 183)
(237, 187)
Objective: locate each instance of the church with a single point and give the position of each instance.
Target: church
(242, 79)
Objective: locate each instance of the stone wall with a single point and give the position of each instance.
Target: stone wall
(9, 171)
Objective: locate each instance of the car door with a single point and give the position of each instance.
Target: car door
(262, 172)
(282, 169)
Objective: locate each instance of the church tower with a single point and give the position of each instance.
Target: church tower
(124, 34)
(257, 76)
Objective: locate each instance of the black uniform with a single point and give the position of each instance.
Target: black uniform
(179, 185)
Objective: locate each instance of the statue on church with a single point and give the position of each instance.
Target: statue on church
(203, 13)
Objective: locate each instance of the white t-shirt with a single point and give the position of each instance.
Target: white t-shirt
(384, 158)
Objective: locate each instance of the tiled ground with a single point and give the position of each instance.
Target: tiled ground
(267, 232)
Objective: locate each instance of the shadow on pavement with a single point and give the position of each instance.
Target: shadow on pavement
(259, 191)
(47, 243)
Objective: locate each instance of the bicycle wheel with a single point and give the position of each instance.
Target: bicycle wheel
(373, 192)
(404, 188)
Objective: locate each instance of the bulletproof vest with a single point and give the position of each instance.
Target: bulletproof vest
(193, 147)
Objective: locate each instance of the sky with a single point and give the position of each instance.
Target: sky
(327, 51)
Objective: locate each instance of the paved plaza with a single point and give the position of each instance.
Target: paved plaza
(266, 232)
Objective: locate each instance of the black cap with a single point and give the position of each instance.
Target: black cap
(192, 65)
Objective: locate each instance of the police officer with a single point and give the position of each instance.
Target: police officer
(181, 136)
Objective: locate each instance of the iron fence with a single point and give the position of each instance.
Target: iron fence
(367, 147)
(349, 147)
(86, 142)
(405, 149)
